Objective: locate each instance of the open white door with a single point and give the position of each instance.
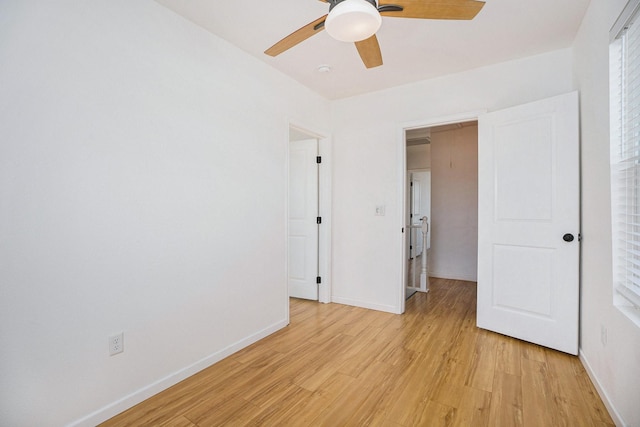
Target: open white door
(528, 222)
(416, 204)
(303, 213)
(421, 187)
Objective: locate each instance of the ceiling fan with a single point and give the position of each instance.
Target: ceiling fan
(358, 20)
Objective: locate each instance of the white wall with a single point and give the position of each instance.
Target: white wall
(142, 189)
(419, 156)
(614, 365)
(367, 156)
(454, 208)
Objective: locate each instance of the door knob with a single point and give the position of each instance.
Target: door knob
(568, 237)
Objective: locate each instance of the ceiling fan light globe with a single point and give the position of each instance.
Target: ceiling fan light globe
(353, 21)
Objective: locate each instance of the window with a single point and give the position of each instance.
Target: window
(624, 75)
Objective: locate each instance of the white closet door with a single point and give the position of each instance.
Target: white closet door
(303, 211)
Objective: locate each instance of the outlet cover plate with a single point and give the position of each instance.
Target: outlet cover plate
(116, 344)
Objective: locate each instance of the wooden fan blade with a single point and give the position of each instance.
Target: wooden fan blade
(297, 36)
(369, 50)
(435, 9)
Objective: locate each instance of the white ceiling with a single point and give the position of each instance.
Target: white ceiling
(412, 49)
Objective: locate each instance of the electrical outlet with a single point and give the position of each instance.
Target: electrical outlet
(380, 210)
(116, 344)
(603, 335)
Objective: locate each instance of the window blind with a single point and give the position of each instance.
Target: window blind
(624, 76)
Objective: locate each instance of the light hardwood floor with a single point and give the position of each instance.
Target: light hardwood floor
(344, 366)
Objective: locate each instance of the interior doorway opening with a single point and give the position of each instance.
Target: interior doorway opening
(303, 226)
(442, 184)
(520, 218)
(308, 214)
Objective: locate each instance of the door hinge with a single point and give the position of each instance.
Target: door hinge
(319, 220)
(318, 280)
(318, 159)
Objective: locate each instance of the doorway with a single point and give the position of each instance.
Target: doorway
(446, 157)
(308, 215)
(526, 211)
(303, 224)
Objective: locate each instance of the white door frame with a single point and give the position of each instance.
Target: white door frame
(402, 183)
(324, 200)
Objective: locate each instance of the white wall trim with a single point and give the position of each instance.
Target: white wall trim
(366, 304)
(453, 276)
(615, 415)
(156, 387)
(445, 120)
(402, 180)
(324, 150)
(402, 213)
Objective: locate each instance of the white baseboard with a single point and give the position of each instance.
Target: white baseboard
(453, 276)
(146, 392)
(617, 419)
(366, 304)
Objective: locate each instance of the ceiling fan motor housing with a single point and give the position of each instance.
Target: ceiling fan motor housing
(334, 3)
(352, 20)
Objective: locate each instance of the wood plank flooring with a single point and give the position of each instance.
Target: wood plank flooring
(337, 365)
